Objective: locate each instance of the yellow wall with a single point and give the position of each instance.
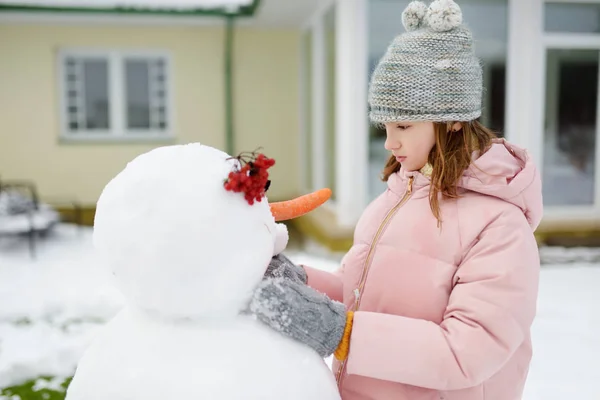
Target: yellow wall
(266, 101)
(267, 104)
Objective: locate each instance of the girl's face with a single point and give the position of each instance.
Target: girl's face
(410, 142)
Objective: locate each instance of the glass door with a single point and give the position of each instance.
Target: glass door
(571, 126)
(570, 151)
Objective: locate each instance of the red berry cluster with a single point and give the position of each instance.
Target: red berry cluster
(252, 178)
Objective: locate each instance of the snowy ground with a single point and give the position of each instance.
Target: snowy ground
(51, 308)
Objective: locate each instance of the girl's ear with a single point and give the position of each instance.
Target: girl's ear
(456, 127)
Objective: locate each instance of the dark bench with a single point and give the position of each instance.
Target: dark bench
(22, 213)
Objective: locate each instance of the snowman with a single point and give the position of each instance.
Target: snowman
(187, 248)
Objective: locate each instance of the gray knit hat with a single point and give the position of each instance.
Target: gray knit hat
(430, 72)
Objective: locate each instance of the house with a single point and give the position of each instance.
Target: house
(541, 65)
(86, 88)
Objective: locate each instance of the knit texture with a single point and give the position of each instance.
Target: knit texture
(430, 72)
(282, 267)
(300, 313)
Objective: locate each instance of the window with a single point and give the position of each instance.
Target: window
(572, 18)
(86, 85)
(570, 149)
(571, 126)
(115, 95)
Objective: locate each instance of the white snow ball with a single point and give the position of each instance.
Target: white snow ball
(412, 16)
(443, 15)
(138, 358)
(282, 238)
(178, 243)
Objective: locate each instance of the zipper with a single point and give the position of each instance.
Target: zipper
(363, 279)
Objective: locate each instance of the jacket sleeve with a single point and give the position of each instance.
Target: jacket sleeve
(329, 283)
(489, 314)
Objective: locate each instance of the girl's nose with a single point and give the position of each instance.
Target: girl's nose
(391, 145)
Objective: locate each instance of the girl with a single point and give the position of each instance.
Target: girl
(437, 295)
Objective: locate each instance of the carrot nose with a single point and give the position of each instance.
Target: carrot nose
(285, 210)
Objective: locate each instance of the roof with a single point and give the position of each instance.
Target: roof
(185, 7)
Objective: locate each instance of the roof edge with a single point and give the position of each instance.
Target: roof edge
(243, 11)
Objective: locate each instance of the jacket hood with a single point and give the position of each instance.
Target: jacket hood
(505, 171)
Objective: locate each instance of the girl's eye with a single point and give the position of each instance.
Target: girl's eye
(403, 127)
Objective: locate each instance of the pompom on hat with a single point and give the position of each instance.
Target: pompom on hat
(413, 15)
(430, 72)
(443, 16)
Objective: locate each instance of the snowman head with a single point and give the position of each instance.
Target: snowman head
(178, 242)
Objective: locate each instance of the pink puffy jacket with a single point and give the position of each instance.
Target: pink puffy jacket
(443, 313)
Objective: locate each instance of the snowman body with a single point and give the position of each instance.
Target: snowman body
(187, 254)
(137, 357)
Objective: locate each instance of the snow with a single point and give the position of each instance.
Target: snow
(41, 349)
(560, 255)
(152, 4)
(187, 255)
(20, 214)
(39, 220)
(50, 307)
(146, 358)
(177, 242)
(66, 297)
(58, 288)
(566, 362)
(282, 238)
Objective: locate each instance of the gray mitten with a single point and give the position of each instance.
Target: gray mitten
(301, 313)
(282, 267)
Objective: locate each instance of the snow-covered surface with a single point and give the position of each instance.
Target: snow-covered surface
(150, 4)
(39, 220)
(50, 308)
(558, 256)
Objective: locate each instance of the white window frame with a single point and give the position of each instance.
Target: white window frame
(118, 130)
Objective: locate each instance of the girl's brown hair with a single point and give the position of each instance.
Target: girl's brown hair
(449, 157)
